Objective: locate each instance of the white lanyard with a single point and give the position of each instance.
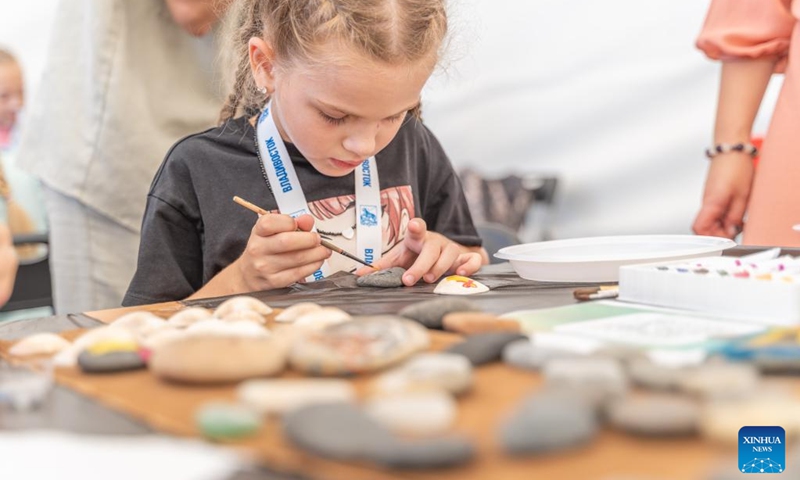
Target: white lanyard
(292, 201)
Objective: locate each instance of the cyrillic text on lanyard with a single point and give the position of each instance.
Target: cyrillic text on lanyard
(291, 200)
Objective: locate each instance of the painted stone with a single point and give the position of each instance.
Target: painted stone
(106, 346)
(207, 359)
(39, 344)
(423, 414)
(427, 371)
(389, 278)
(188, 316)
(221, 421)
(657, 415)
(242, 302)
(431, 312)
(362, 344)
(458, 285)
(110, 361)
(548, 421)
(470, 323)
(68, 357)
(277, 397)
(296, 311)
(484, 348)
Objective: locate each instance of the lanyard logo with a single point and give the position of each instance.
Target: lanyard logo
(368, 216)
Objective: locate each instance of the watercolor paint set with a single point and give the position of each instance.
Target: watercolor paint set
(762, 287)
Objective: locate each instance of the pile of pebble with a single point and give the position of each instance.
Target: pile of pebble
(406, 419)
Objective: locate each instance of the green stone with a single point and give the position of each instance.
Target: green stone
(219, 421)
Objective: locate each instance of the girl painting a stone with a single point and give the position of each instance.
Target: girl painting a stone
(324, 108)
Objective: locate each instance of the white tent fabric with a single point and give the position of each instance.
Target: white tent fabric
(611, 96)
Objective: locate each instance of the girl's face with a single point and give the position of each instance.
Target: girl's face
(342, 112)
(11, 94)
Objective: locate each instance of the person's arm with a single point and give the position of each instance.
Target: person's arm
(752, 38)
(281, 250)
(8, 264)
(727, 189)
(197, 17)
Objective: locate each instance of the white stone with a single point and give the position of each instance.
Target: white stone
(244, 316)
(426, 371)
(140, 323)
(324, 317)
(242, 302)
(296, 311)
(721, 380)
(67, 357)
(458, 285)
(605, 376)
(39, 344)
(206, 359)
(276, 397)
(422, 414)
(188, 316)
(163, 337)
(104, 334)
(721, 420)
(217, 327)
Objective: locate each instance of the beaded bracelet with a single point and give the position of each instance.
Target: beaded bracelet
(720, 148)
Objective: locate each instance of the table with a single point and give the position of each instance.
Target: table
(498, 388)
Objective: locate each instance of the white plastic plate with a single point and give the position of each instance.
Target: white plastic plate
(597, 259)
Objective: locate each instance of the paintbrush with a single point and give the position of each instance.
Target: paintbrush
(325, 243)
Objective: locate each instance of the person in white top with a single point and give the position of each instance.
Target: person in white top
(124, 80)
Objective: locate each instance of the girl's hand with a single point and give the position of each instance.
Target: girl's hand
(427, 255)
(281, 251)
(725, 197)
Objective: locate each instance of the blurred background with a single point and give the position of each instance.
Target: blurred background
(609, 98)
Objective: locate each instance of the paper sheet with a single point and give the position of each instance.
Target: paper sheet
(43, 454)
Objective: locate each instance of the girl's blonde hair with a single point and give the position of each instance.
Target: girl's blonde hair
(390, 31)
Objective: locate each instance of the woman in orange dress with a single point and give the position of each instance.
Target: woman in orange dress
(754, 39)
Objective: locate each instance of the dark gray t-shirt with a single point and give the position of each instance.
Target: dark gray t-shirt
(192, 229)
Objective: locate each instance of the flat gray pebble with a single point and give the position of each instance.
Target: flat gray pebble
(779, 365)
(647, 374)
(389, 278)
(342, 431)
(548, 421)
(658, 415)
(430, 453)
(484, 348)
(431, 312)
(110, 362)
(339, 431)
(524, 354)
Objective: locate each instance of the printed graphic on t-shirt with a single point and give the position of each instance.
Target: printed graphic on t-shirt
(337, 222)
